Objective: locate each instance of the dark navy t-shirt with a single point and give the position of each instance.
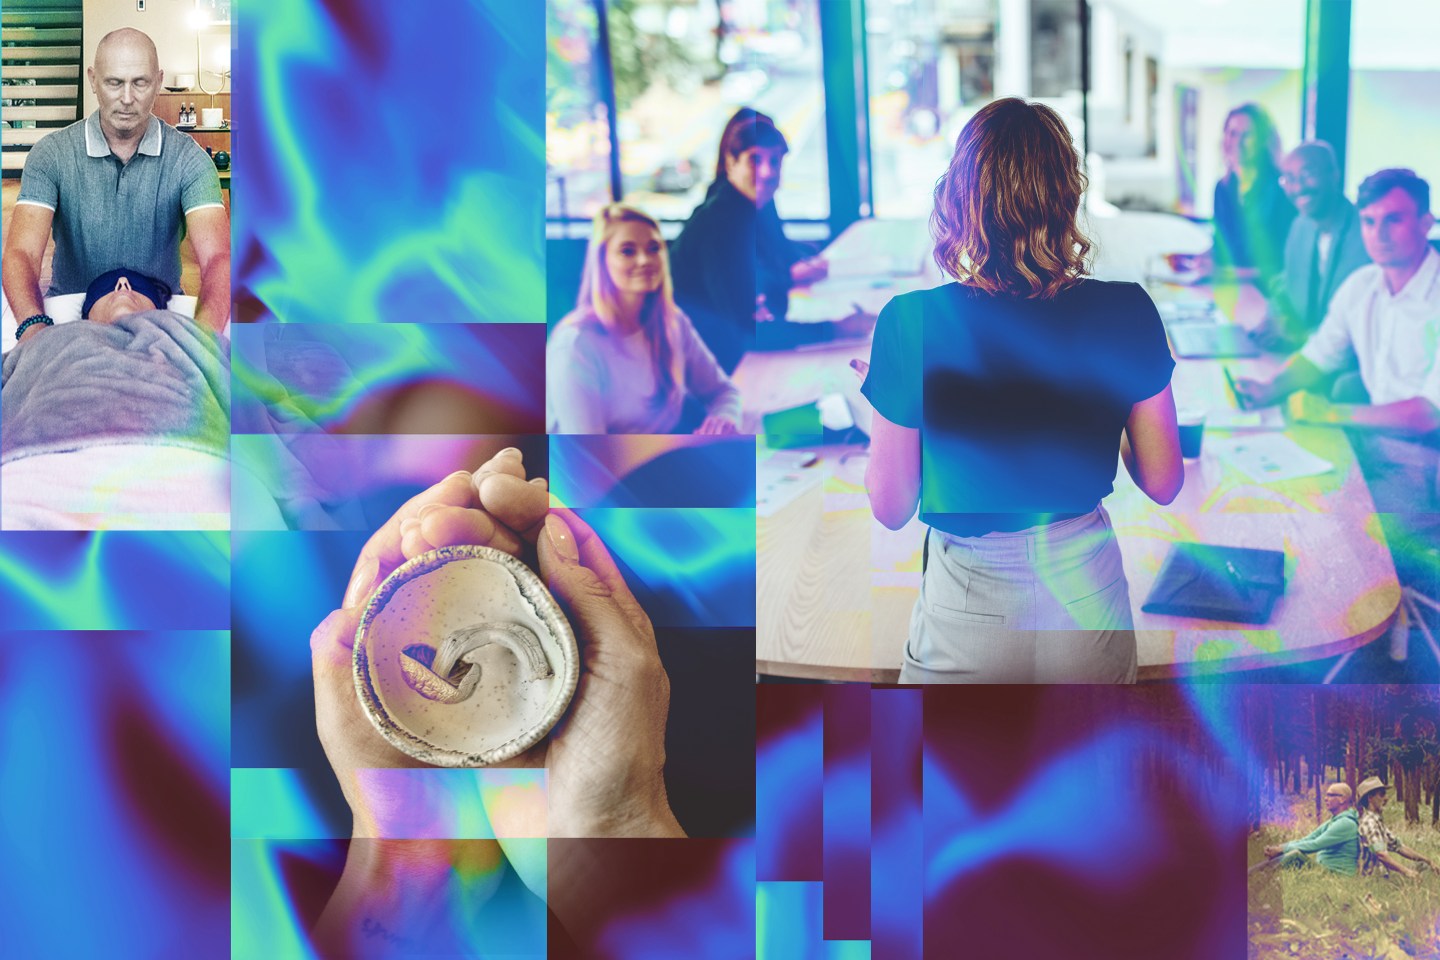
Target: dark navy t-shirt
(1020, 402)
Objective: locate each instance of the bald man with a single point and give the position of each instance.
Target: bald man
(1323, 248)
(118, 189)
(1335, 844)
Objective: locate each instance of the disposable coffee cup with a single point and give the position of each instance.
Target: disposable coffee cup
(1192, 432)
(212, 116)
(463, 658)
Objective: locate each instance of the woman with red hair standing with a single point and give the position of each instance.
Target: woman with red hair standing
(1002, 403)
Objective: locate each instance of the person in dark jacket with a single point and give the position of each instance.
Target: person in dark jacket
(1252, 213)
(732, 264)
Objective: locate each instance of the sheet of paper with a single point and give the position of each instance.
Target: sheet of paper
(781, 476)
(1268, 457)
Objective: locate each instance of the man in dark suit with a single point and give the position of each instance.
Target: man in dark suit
(1322, 249)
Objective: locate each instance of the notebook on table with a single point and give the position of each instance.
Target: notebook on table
(1210, 582)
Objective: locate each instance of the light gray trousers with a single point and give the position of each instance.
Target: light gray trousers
(1049, 604)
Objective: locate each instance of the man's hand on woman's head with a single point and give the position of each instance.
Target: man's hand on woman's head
(605, 758)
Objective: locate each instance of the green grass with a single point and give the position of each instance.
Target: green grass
(1319, 915)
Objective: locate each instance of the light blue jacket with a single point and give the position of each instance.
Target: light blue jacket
(1335, 843)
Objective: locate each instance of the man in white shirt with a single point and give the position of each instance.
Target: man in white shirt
(1385, 315)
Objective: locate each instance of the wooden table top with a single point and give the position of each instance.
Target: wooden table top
(835, 588)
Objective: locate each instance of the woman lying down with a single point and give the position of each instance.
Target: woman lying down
(119, 420)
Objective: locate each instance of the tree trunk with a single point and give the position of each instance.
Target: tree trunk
(1412, 796)
(1317, 766)
(1352, 748)
(1435, 798)
(1364, 710)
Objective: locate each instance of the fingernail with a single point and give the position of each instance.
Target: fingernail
(540, 482)
(425, 511)
(510, 452)
(561, 539)
(407, 526)
(457, 473)
(361, 582)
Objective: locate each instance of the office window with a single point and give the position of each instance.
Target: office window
(931, 65)
(934, 63)
(1394, 86)
(577, 127)
(682, 68)
(1182, 67)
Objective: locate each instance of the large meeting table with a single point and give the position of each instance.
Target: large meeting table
(836, 589)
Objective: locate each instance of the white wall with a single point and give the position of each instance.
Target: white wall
(1238, 33)
(167, 22)
(1394, 123)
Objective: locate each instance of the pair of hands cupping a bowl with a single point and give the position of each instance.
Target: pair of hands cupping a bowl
(604, 760)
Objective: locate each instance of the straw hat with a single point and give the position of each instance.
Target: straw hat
(1368, 787)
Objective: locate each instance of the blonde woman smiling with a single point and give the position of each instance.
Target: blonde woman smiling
(626, 358)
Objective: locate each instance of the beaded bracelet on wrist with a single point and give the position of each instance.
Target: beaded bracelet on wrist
(39, 318)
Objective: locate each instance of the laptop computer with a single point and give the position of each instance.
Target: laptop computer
(1210, 340)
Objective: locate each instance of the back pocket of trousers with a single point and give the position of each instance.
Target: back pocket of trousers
(1105, 609)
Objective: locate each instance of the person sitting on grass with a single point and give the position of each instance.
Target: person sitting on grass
(1379, 847)
(1335, 843)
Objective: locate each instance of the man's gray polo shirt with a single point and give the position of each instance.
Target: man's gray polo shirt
(110, 215)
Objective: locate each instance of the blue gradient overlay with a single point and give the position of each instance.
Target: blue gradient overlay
(711, 921)
(847, 815)
(322, 481)
(296, 379)
(390, 162)
(114, 777)
(280, 888)
(118, 580)
(439, 804)
(1149, 788)
(285, 584)
(688, 567)
(897, 828)
(653, 471)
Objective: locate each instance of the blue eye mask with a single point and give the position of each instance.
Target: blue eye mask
(157, 290)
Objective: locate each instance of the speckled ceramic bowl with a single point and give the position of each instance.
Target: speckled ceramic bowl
(463, 659)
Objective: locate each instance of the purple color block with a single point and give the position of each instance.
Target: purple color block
(789, 780)
(897, 843)
(847, 813)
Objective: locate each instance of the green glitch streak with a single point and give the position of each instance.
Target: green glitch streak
(270, 804)
(449, 250)
(263, 921)
(412, 353)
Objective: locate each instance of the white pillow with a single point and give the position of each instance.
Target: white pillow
(66, 307)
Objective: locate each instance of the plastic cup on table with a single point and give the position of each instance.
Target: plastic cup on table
(1191, 425)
